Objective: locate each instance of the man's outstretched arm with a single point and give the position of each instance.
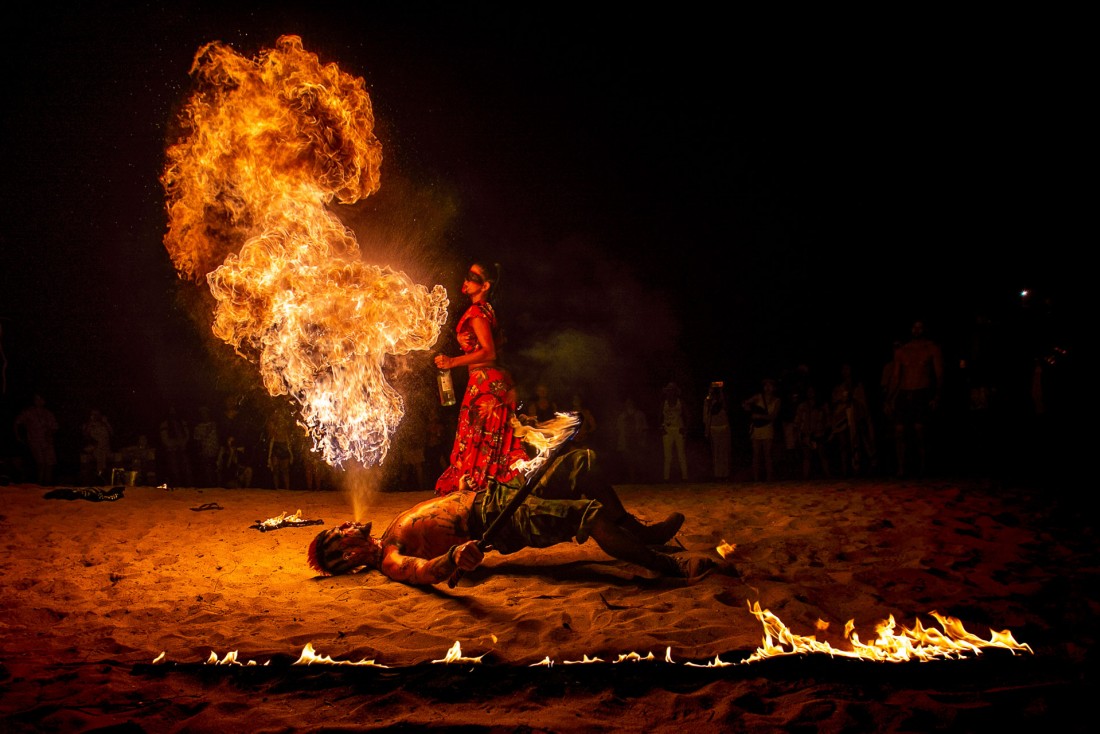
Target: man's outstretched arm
(427, 571)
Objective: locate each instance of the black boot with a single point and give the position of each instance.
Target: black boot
(656, 534)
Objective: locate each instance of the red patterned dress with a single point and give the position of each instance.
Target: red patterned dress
(485, 447)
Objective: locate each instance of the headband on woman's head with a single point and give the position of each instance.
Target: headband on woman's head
(492, 275)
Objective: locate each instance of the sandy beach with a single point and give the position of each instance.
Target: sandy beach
(168, 610)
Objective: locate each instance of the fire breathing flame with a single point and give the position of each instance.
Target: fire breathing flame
(889, 645)
(270, 143)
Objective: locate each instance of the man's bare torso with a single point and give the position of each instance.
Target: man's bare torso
(430, 528)
(918, 364)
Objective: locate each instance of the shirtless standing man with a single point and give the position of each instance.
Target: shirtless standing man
(916, 388)
(429, 542)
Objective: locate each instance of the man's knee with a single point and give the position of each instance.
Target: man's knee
(601, 526)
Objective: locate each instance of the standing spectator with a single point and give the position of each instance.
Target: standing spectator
(232, 469)
(175, 438)
(981, 381)
(541, 408)
(98, 434)
(888, 372)
(587, 427)
(141, 459)
(435, 446)
(239, 444)
(852, 431)
(716, 429)
(314, 468)
(632, 427)
(915, 391)
(791, 390)
(673, 425)
(812, 421)
(763, 408)
(280, 453)
(410, 452)
(36, 426)
(885, 413)
(412, 470)
(207, 445)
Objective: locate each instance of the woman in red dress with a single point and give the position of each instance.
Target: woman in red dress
(485, 446)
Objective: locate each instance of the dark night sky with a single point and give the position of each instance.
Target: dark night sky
(681, 195)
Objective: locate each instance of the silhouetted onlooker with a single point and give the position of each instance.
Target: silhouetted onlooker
(716, 429)
(175, 439)
(207, 443)
(916, 387)
(852, 433)
(673, 428)
(811, 420)
(280, 449)
(541, 408)
(98, 433)
(584, 433)
(36, 426)
(763, 409)
(239, 445)
(141, 459)
(630, 440)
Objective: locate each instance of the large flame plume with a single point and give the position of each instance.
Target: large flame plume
(269, 144)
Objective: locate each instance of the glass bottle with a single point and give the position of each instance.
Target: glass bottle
(446, 388)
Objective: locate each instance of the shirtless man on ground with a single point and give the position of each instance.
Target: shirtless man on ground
(429, 542)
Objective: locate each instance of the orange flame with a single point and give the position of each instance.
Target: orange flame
(907, 644)
(454, 655)
(229, 659)
(274, 522)
(543, 439)
(270, 143)
(309, 656)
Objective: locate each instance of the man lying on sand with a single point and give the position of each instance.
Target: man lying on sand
(429, 542)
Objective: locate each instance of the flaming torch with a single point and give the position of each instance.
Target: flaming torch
(269, 144)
